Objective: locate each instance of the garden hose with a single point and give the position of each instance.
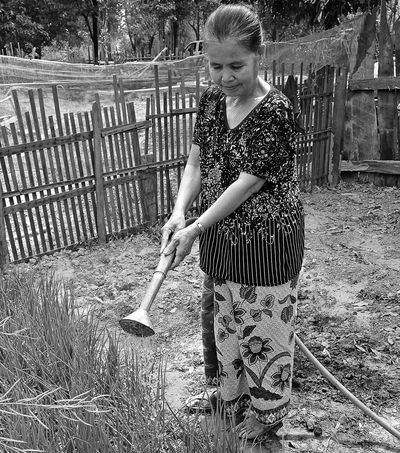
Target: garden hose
(346, 393)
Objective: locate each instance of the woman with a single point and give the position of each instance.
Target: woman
(251, 227)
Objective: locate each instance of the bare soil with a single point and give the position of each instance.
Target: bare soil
(349, 313)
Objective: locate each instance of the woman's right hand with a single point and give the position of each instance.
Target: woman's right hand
(175, 223)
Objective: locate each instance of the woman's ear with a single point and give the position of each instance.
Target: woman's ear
(261, 51)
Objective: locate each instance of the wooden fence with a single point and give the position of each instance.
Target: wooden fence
(71, 178)
(312, 95)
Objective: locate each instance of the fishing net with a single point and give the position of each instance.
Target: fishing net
(19, 70)
(330, 47)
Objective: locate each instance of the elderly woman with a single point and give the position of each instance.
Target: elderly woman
(251, 227)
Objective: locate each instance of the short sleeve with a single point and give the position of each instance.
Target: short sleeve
(199, 126)
(271, 146)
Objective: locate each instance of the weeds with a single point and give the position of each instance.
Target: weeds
(67, 385)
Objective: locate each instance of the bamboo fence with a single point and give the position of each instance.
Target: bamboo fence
(315, 91)
(71, 178)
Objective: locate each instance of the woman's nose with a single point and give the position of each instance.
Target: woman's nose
(227, 75)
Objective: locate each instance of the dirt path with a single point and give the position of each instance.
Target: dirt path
(349, 313)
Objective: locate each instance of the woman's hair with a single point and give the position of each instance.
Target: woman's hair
(235, 21)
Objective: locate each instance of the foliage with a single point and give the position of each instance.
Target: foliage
(143, 20)
(35, 23)
(16, 25)
(102, 18)
(287, 19)
(330, 12)
(198, 12)
(39, 22)
(69, 385)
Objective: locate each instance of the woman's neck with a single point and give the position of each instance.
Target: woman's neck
(261, 88)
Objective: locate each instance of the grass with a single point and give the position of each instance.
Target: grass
(67, 384)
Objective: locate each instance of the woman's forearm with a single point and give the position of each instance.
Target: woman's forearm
(189, 188)
(190, 185)
(236, 194)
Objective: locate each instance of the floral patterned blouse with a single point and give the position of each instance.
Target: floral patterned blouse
(262, 241)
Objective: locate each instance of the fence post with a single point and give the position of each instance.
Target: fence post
(3, 242)
(148, 190)
(339, 106)
(98, 172)
(147, 179)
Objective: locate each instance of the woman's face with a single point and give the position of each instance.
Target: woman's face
(233, 67)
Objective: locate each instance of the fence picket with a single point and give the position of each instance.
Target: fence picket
(3, 241)
(64, 207)
(113, 167)
(98, 173)
(122, 163)
(184, 122)
(178, 136)
(154, 144)
(147, 131)
(160, 138)
(77, 173)
(53, 174)
(88, 171)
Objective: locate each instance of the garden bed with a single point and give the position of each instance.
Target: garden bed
(349, 312)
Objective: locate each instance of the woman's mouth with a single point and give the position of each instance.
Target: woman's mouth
(229, 88)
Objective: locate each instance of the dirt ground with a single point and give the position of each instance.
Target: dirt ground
(349, 312)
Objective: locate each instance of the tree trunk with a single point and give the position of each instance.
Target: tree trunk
(151, 41)
(133, 42)
(95, 22)
(174, 32)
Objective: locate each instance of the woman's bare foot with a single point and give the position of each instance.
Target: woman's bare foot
(251, 428)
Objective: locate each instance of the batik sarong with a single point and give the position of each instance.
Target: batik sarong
(254, 330)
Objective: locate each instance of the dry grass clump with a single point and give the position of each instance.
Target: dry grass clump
(66, 385)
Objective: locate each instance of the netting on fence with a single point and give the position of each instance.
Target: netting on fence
(14, 70)
(330, 47)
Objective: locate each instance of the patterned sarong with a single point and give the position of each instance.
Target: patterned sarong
(254, 330)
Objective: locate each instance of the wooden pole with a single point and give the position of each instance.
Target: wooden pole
(98, 172)
(339, 106)
(3, 242)
(386, 99)
(397, 73)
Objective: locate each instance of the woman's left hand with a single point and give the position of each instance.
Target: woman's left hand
(181, 243)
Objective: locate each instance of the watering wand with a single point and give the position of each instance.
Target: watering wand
(138, 322)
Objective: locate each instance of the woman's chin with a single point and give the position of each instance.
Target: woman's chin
(234, 91)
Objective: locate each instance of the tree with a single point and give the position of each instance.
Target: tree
(198, 12)
(31, 23)
(144, 20)
(330, 12)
